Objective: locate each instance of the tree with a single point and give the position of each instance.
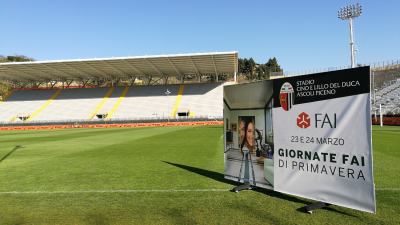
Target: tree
(15, 58)
(5, 87)
(272, 65)
(254, 71)
(247, 67)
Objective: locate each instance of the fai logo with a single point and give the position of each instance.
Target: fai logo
(303, 120)
(320, 120)
(286, 96)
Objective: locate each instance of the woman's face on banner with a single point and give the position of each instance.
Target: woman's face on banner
(250, 134)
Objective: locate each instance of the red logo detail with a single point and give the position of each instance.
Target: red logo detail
(283, 97)
(286, 96)
(303, 120)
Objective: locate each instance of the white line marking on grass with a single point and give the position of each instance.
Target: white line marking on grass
(114, 191)
(387, 189)
(139, 191)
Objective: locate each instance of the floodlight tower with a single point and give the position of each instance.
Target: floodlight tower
(349, 13)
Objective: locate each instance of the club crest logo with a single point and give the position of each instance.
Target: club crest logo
(286, 96)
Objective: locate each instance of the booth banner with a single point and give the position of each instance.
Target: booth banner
(248, 134)
(322, 138)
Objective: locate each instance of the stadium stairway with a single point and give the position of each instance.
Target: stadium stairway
(203, 100)
(116, 105)
(23, 103)
(101, 104)
(44, 106)
(73, 104)
(147, 102)
(178, 100)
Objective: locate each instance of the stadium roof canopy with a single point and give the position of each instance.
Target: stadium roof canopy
(123, 67)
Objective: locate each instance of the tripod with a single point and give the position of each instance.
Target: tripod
(246, 160)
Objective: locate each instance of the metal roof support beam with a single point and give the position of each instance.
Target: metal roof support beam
(194, 66)
(154, 67)
(69, 83)
(112, 82)
(115, 68)
(92, 81)
(156, 81)
(235, 77)
(149, 80)
(132, 81)
(79, 73)
(44, 72)
(173, 66)
(37, 84)
(95, 69)
(84, 82)
(7, 76)
(134, 68)
(64, 74)
(27, 76)
(117, 81)
(166, 80)
(53, 83)
(215, 67)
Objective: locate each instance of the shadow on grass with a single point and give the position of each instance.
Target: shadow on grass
(10, 152)
(206, 173)
(220, 178)
(97, 219)
(327, 208)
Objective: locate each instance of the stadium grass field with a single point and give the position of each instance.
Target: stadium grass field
(169, 175)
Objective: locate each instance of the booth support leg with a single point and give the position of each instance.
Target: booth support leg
(317, 205)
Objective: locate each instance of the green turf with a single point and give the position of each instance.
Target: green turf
(170, 158)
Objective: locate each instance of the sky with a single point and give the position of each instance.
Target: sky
(302, 35)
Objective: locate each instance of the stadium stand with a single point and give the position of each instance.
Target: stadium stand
(202, 100)
(167, 88)
(123, 103)
(386, 89)
(21, 104)
(148, 102)
(72, 104)
(388, 97)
